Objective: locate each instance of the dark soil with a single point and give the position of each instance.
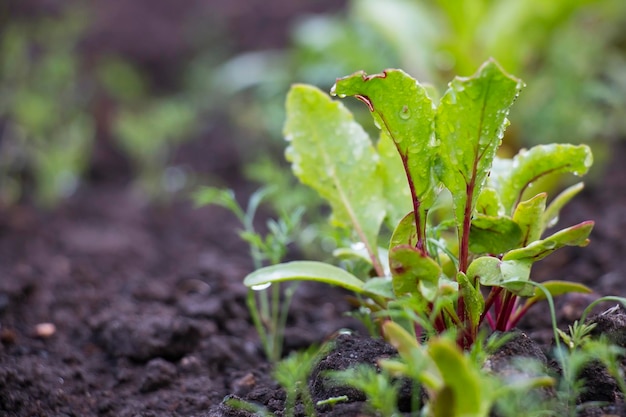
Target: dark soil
(110, 306)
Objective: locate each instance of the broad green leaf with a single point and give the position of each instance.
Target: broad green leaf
(331, 153)
(529, 216)
(462, 381)
(537, 250)
(303, 271)
(411, 270)
(472, 297)
(551, 215)
(493, 235)
(530, 165)
(395, 185)
(469, 126)
(402, 109)
(510, 274)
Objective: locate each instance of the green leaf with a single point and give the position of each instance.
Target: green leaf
(463, 384)
(511, 274)
(556, 288)
(402, 109)
(405, 232)
(489, 203)
(530, 165)
(412, 271)
(472, 297)
(470, 123)
(535, 251)
(395, 185)
(399, 338)
(332, 154)
(551, 215)
(529, 216)
(493, 235)
(304, 271)
(381, 286)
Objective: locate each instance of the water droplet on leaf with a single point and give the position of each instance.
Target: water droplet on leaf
(261, 287)
(405, 113)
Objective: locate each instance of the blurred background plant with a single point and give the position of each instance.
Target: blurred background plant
(46, 129)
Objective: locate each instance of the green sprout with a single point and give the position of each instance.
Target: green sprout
(268, 306)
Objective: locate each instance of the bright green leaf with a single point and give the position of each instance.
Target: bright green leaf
(472, 297)
(331, 153)
(489, 203)
(395, 185)
(551, 215)
(462, 381)
(529, 216)
(530, 165)
(556, 288)
(303, 271)
(511, 274)
(535, 251)
(403, 111)
(405, 232)
(470, 123)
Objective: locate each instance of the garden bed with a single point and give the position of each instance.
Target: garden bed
(112, 306)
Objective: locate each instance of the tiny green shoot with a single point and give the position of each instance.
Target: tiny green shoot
(268, 310)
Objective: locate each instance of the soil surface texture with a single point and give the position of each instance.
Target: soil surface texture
(112, 306)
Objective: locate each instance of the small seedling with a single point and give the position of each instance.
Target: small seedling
(268, 310)
(467, 225)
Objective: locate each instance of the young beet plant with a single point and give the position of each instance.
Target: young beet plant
(462, 255)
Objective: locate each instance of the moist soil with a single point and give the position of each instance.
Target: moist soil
(114, 306)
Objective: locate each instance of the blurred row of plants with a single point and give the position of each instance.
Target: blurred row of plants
(49, 117)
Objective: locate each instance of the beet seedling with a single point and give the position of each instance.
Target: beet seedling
(466, 224)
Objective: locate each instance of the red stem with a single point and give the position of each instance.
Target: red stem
(505, 313)
(491, 298)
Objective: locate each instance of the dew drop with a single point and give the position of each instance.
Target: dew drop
(261, 287)
(405, 113)
(553, 222)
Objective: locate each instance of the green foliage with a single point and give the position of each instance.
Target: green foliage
(292, 373)
(488, 227)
